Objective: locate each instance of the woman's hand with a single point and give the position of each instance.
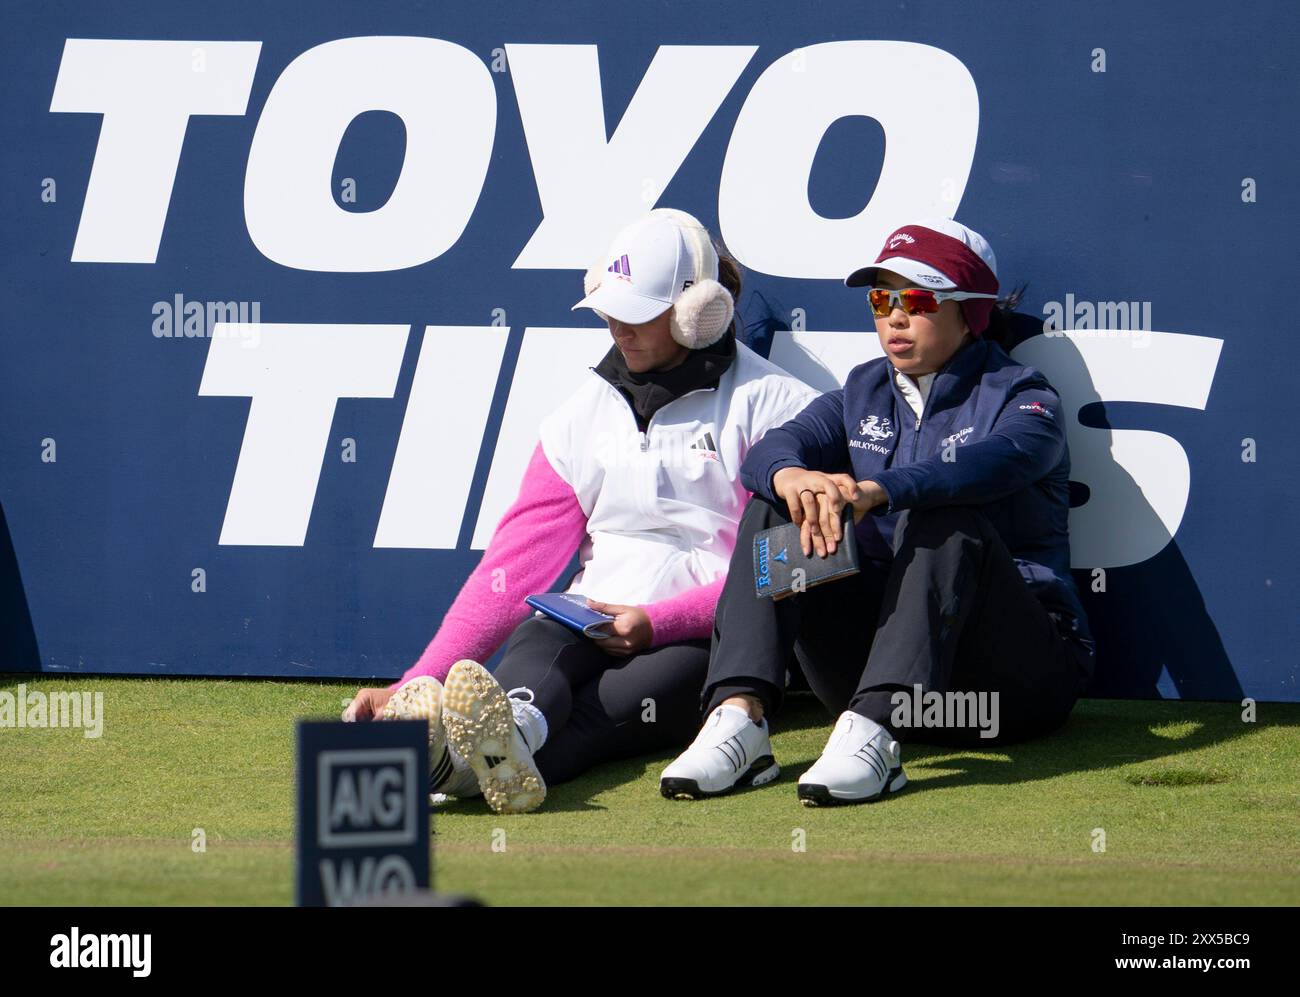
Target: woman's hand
(870, 495)
(630, 633)
(367, 704)
(815, 499)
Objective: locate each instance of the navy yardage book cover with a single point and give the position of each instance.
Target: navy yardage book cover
(572, 611)
(778, 558)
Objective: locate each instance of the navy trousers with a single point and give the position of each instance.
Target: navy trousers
(951, 613)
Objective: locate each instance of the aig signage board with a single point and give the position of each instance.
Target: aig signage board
(287, 291)
(363, 816)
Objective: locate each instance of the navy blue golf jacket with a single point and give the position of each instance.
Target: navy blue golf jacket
(991, 435)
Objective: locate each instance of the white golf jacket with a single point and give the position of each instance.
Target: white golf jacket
(663, 506)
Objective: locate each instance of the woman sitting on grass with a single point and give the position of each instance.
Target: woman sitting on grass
(639, 472)
(959, 455)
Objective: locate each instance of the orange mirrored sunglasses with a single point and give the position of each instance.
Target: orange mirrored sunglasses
(915, 300)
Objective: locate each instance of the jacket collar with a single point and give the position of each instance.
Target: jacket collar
(650, 391)
(953, 380)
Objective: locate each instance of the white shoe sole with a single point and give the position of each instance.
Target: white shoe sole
(816, 795)
(421, 699)
(480, 725)
(763, 771)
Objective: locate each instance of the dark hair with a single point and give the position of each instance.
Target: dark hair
(1002, 320)
(730, 277)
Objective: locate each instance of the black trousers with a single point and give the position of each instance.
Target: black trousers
(599, 707)
(951, 614)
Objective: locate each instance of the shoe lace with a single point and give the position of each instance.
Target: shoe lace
(518, 694)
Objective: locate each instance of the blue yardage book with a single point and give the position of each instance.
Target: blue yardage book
(777, 555)
(572, 611)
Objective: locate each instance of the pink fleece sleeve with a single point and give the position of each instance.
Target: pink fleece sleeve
(529, 548)
(687, 615)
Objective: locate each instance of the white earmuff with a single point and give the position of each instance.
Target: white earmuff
(702, 314)
(703, 311)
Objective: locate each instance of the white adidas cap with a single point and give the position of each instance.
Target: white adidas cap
(648, 266)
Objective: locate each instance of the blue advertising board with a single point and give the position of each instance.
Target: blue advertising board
(287, 289)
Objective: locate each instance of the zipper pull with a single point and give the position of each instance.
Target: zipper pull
(918, 422)
(645, 443)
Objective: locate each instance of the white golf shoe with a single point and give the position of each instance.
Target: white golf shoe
(729, 751)
(860, 763)
(421, 699)
(496, 735)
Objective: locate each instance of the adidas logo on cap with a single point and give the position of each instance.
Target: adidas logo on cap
(621, 267)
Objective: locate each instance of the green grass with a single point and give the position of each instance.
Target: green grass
(1197, 808)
